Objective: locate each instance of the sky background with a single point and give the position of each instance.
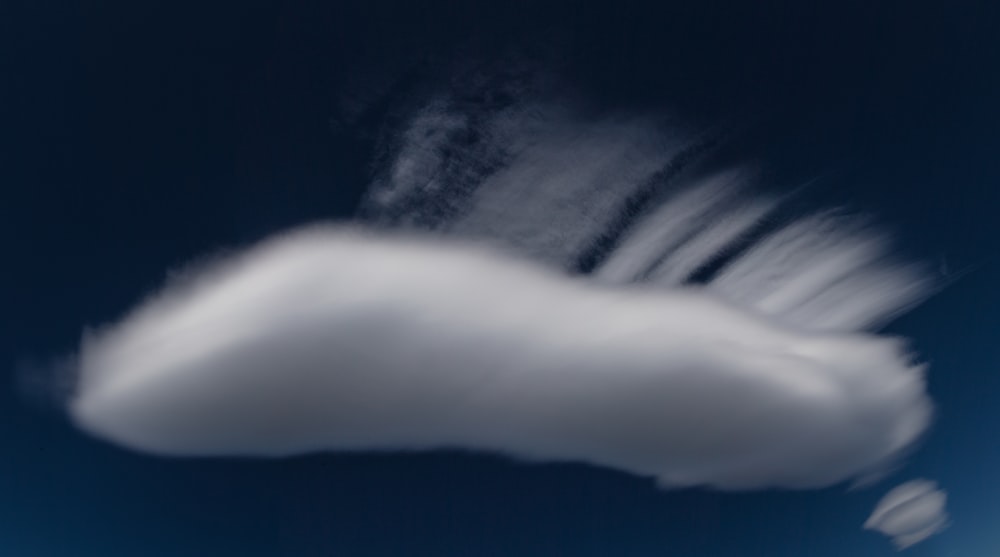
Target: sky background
(137, 136)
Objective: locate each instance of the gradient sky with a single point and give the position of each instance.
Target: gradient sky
(140, 135)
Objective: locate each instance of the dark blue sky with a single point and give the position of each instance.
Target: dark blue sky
(139, 135)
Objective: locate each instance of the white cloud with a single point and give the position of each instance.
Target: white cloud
(635, 195)
(339, 339)
(910, 513)
(332, 339)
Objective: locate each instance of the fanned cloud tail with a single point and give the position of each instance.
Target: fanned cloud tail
(631, 200)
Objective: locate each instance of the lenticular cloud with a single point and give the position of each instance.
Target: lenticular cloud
(910, 513)
(333, 339)
(553, 288)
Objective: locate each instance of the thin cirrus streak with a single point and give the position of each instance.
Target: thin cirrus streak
(531, 282)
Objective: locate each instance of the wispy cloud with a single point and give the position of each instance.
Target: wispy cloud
(633, 199)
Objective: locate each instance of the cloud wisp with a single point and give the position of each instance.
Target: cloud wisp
(340, 339)
(633, 200)
(910, 513)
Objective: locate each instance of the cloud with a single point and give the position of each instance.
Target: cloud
(542, 281)
(632, 198)
(343, 339)
(910, 513)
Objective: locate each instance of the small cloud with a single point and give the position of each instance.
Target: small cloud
(715, 342)
(910, 513)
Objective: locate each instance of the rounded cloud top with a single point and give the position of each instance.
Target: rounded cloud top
(340, 339)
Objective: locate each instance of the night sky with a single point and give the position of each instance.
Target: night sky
(138, 136)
